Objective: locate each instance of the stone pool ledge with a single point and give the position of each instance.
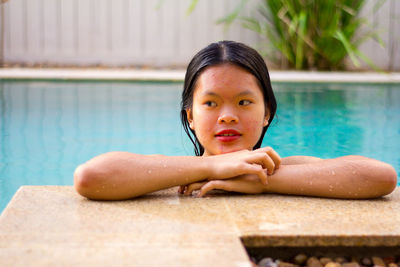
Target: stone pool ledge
(53, 225)
(178, 75)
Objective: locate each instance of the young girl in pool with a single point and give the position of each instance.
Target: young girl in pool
(227, 106)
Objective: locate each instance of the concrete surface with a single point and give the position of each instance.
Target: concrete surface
(53, 225)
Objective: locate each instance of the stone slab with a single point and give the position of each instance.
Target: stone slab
(278, 220)
(53, 225)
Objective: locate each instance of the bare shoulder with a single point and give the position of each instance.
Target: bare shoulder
(293, 160)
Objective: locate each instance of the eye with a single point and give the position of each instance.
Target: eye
(244, 102)
(210, 104)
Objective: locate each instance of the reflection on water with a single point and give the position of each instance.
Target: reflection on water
(324, 121)
(48, 128)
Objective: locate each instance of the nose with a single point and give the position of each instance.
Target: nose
(227, 116)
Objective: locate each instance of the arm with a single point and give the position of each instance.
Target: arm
(345, 177)
(353, 177)
(122, 175)
(294, 160)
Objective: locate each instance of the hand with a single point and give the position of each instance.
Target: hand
(235, 164)
(248, 184)
(259, 162)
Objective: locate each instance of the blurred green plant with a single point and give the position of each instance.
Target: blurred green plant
(310, 34)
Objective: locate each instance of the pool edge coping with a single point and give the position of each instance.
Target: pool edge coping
(30, 239)
(178, 75)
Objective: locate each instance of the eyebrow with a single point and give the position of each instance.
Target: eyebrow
(247, 92)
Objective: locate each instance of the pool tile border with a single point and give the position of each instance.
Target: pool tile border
(178, 75)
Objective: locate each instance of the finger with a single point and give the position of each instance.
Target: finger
(275, 157)
(262, 175)
(264, 160)
(181, 189)
(192, 187)
(215, 184)
(257, 170)
(258, 157)
(268, 164)
(232, 186)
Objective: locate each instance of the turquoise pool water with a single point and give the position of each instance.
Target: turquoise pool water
(48, 128)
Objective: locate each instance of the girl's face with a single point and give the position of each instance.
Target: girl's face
(228, 111)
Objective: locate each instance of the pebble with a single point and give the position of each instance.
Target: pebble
(325, 260)
(300, 259)
(366, 261)
(350, 264)
(286, 264)
(313, 262)
(388, 260)
(267, 262)
(340, 260)
(378, 261)
(304, 260)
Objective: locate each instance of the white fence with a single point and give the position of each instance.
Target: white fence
(143, 33)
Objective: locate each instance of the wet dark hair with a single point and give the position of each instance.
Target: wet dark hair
(226, 52)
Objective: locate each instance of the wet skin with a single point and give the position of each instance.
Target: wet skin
(228, 112)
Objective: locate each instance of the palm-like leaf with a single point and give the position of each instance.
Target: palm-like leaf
(312, 33)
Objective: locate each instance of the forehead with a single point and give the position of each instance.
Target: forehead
(227, 76)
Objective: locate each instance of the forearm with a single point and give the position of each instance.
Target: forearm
(294, 160)
(122, 175)
(345, 177)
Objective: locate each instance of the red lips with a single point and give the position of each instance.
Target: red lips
(228, 135)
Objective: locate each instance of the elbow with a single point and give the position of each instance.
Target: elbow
(388, 179)
(384, 180)
(378, 178)
(86, 180)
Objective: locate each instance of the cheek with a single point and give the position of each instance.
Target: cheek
(202, 122)
(255, 125)
(257, 119)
